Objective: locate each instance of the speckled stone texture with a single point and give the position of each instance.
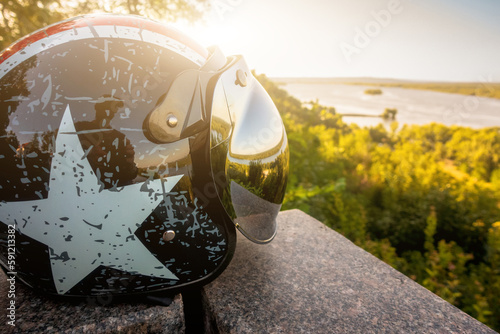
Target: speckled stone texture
(40, 314)
(310, 279)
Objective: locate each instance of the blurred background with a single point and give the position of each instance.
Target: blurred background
(392, 109)
(399, 39)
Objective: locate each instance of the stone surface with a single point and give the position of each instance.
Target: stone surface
(310, 279)
(40, 314)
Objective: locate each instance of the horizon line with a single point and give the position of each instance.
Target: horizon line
(379, 79)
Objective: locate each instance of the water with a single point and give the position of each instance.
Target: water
(414, 106)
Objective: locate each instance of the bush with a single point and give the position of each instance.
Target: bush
(373, 91)
(389, 113)
(424, 199)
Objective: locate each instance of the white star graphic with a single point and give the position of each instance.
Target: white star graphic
(83, 226)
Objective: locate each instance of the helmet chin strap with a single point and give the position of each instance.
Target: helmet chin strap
(182, 112)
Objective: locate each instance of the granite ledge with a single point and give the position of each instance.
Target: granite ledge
(311, 279)
(37, 313)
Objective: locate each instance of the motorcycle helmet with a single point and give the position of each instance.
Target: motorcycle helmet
(130, 155)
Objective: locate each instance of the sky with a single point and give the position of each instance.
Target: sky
(432, 40)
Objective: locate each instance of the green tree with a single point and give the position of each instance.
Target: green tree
(422, 198)
(389, 113)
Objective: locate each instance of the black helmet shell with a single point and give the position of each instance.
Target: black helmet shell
(107, 152)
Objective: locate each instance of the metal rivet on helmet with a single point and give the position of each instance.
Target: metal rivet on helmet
(169, 235)
(172, 121)
(241, 78)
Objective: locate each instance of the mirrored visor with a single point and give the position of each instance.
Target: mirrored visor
(249, 152)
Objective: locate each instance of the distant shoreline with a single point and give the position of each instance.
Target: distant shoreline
(359, 115)
(483, 89)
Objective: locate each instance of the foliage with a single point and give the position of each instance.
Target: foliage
(375, 91)
(486, 88)
(425, 199)
(21, 17)
(389, 113)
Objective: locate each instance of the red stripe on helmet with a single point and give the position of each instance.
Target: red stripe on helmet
(104, 20)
